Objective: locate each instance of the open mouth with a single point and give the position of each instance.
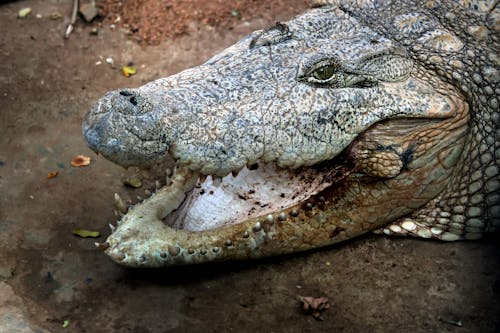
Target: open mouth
(216, 215)
(258, 191)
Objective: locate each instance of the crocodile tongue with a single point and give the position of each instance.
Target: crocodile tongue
(256, 191)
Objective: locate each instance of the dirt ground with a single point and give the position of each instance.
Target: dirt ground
(49, 276)
(144, 20)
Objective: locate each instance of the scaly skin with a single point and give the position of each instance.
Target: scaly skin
(364, 116)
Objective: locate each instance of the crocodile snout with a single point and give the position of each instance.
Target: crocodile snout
(122, 127)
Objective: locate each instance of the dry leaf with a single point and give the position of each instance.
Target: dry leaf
(24, 12)
(80, 160)
(52, 174)
(129, 70)
(314, 305)
(86, 233)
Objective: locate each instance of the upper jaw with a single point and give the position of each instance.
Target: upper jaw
(141, 127)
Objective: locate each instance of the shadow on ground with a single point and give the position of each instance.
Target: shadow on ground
(48, 276)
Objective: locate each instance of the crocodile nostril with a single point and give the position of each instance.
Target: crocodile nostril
(129, 102)
(126, 93)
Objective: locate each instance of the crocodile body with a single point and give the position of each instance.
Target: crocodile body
(355, 116)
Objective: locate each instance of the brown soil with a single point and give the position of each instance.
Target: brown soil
(152, 21)
(48, 275)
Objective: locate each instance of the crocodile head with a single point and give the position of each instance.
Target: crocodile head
(302, 135)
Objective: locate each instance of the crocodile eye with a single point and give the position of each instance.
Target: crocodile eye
(324, 72)
(327, 72)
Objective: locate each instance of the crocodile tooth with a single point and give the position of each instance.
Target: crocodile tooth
(168, 172)
(147, 193)
(120, 204)
(102, 246)
(216, 181)
(117, 213)
(140, 198)
(168, 180)
(157, 184)
(112, 227)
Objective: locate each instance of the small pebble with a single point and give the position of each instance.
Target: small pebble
(56, 16)
(132, 182)
(88, 11)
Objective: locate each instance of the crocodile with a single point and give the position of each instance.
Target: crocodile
(354, 117)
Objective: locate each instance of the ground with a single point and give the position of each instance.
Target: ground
(49, 276)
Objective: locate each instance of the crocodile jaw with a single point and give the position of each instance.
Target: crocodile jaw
(328, 212)
(190, 221)
(342, 203)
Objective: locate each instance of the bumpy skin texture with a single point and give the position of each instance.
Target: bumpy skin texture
(404, 95)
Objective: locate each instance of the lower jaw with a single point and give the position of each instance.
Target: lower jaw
(142, 238)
